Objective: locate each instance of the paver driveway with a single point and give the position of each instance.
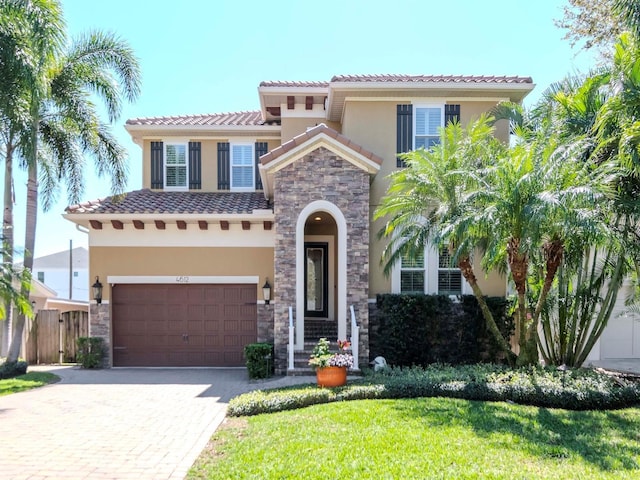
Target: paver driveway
(129, 423)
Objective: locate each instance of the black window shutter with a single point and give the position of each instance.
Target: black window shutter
(451, 114)
(261, 149)
(223, 166)
(404, 132)
(195, 166)
(157, 165)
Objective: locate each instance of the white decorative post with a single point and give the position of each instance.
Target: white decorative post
(291, 338)
(355, 339)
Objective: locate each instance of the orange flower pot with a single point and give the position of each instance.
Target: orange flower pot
(331, 376)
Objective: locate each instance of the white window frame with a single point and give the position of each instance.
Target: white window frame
(186, 163)
(439, 106)
(431, 269)
(252, 166)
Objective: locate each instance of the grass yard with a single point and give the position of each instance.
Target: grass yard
(26, 382)
(425, 438)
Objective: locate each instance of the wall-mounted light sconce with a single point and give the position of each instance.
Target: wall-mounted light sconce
(97, 291)
(266, 292)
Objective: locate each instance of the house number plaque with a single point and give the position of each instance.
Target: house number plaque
(182, 279)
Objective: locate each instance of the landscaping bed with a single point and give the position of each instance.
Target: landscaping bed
(577, 389)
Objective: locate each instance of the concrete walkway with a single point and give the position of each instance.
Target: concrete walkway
(625, 365)
(131, 423)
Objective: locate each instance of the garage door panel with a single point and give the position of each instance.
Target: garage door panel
(183, 325)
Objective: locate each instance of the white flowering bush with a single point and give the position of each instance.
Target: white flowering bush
(323, 357)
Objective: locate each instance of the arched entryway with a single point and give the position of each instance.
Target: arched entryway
(321, 265)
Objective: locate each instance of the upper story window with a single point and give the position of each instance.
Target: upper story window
(242, 165)
(175, 171)
(41, 277)
(427, 121)
(417, 126)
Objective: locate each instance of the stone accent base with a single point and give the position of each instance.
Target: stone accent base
(265, 323)
(100, 326)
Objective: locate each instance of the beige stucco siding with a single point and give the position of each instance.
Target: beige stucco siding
(380, 138)
(168, 261)
(209, 158)
(295, 126)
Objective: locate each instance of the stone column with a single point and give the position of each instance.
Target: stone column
(100, 326)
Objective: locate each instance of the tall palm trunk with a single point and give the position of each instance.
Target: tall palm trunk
(553, 253)
(519, 266)
(466, 268)
(7, 239)
(29, 236)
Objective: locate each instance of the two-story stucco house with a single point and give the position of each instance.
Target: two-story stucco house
(283, 195)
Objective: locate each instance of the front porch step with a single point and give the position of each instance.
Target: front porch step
(318, 328)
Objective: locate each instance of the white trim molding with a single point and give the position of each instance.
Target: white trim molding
(341, 222)
(181, 279)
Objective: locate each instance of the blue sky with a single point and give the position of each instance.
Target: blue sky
(204, 56)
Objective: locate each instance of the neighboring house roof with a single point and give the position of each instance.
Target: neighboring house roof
(250, 118)
(61, 260)
(431, 79)
(146, 201)
(309, 134)
(39, 289)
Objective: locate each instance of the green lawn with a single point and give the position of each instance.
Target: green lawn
(26, 382)
(426, 438)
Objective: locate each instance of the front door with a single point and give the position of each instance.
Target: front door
(316, 273)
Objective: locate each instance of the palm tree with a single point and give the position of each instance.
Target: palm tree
(425, 203)
(64, 125)
(31, 32)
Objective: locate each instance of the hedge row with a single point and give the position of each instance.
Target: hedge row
(580, 389)
(425, 329)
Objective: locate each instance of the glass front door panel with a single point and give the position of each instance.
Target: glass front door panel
(316, 279)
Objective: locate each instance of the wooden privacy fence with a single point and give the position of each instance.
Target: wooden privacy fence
(51, 336)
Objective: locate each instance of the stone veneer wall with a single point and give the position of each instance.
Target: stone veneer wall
(100, 326)
(320, 175)
(265, 323)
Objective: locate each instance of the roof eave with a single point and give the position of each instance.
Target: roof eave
(202, 128)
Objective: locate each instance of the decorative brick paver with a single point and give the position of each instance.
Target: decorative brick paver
(117, 423)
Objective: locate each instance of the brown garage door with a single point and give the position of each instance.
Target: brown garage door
(182, 325)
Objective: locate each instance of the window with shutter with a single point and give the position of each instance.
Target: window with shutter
(242, 167)
(175, 166)
(261, 149)
(195, 166)
(451, 114)
(223, 166)
(427, 121)
(404, 131)
(157, 165)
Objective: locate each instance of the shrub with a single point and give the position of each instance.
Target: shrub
(580, 389)
(259, 360)
(90, 352)
(13, 369)
(425, 329)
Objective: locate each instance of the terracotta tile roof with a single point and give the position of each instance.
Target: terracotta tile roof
(430, 78)
(294, 84)
(312, 132)
(252, 118)
(148, 201)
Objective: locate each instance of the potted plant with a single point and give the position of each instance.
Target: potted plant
(331, 368)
